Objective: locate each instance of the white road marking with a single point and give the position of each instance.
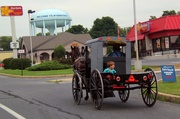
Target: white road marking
(11, 112)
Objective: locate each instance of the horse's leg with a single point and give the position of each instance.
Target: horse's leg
(86, 87)
(87, 96)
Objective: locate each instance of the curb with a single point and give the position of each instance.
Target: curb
(53, 76)
(169, 97)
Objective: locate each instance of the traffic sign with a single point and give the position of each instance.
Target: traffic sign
(168, 73)
(21, 51)
(11, 11)
(14, 45)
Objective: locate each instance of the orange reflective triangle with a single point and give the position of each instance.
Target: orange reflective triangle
(131, 78)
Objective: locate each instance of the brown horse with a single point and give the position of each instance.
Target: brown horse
(78, 59)
(75, 53)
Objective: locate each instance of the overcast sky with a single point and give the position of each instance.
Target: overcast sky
(84, 12)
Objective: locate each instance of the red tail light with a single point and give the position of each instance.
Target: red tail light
(118, 78)
(109, 77)
(145, 78)
(150, 76)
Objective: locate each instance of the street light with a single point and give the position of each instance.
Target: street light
(137, 64)
(30, 12)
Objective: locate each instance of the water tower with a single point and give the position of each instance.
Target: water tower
(50, 19)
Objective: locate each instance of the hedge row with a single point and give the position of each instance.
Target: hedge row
(16, 63)
(66, 61)
(49, 65)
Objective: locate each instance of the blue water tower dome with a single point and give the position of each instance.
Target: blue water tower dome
(50, 19)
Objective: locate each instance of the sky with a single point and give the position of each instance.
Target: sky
(85, 12)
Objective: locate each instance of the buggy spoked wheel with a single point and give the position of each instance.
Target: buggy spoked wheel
(124, 94)
(96, 89)
(150, 90)
(77, 88)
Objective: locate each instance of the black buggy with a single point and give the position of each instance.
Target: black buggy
(89, 76)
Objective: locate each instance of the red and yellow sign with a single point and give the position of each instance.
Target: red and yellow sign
(143, 27)
(11, 11)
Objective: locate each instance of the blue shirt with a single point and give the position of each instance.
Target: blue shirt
(107, 70)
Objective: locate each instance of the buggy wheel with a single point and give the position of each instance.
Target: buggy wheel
(124, 94)
(77, 88)
(150, 90)
(96, 89)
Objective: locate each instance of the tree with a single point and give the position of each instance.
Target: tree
(169, 12)
(59, 52)
(152, 17)
(125, 31)
(104, 27)
(77, 29)
(178, 12)
(5, 43)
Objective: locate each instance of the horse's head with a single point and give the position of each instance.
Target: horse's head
(75, 53)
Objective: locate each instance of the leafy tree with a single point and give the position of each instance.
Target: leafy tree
(152, 17)
(77, 29)
(59, 52)
(104, 27)
(169, 12)
(125, 31)
(5, 42)
(178, 12)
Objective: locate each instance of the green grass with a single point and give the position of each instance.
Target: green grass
(51, 72)
(37, 73)
(170, 87)
(145, 66)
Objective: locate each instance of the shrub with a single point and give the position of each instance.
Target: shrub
(20, 63)
(6, 63)
(59, 52)
(66, 61)
(49, 65)
(26, 62)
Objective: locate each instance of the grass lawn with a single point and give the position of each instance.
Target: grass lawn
(50, 72)
(170, 87)
(37, 73)
(145, 66)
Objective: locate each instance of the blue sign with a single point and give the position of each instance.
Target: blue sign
(168, 73)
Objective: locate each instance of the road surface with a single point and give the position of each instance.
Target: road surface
(27, 98)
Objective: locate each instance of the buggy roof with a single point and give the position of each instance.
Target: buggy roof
(108, 41)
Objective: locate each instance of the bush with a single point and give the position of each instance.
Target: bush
(59, 52)
(66, 61)
(6, 63)
(49, 65)
(20, 63)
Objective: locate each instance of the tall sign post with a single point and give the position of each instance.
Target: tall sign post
(137, 63)
(30, 31)
(12, 11)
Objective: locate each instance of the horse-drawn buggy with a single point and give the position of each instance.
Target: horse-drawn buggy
(89, 76)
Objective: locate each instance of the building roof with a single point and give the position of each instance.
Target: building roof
(50, 42)
(131, 36)
(160, 27)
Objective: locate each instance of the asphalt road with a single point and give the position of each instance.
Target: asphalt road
(39, 99)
